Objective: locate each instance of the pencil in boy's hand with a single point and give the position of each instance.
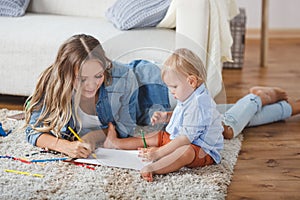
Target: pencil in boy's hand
(79, 139)
(143, 138)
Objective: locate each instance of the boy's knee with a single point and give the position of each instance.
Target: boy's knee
(186, 151)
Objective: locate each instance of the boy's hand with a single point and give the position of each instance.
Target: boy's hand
(159, 117)
(148, 154)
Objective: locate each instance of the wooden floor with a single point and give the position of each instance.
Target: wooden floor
(268, 166)
(12, 102)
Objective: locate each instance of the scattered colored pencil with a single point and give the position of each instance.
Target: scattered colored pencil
(42, 151)
(49, 160)
(14, 158)
(80, 164)
(23, 173)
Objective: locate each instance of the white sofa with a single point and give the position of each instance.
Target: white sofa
(29, 43)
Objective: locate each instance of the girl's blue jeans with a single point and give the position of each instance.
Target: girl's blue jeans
(248, 111)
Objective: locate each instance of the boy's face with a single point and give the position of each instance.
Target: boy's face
(178, 85)
(91, 78)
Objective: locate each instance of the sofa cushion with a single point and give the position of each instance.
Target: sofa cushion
(13, 8)
(128, 14)
(87, 8)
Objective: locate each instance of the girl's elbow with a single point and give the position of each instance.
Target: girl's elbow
(30, 137)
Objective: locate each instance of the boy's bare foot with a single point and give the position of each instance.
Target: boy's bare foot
(146, 174)
(269, 95)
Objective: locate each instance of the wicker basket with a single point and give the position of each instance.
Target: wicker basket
(238, 29)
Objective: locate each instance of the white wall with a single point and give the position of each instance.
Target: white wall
(283, 14)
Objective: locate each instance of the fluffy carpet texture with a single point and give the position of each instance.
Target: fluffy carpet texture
(62, 180)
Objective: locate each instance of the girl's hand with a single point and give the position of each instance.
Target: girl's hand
(95, 138)
(74, 149)
(78, 149)
(148, 154)
(111, 127)
(159, 117)
(111, 141)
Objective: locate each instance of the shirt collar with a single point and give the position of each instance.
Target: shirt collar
(198, 91)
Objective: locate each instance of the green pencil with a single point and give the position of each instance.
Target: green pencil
(143, 138)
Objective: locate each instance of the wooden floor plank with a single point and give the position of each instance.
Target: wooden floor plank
(265, 195)
(267, 163)
(268, 186)
(274, 174)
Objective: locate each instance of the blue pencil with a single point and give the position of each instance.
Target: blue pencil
(49, 160)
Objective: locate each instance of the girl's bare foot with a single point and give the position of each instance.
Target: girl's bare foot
(295, 106)
(269, 95)
(228, 132)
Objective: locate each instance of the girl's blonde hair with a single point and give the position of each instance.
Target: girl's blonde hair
(54, 90)
(187, 63)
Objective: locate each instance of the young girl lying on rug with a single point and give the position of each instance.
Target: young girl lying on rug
(82, 88)
(76, 91)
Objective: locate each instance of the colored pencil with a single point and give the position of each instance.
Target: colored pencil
(75, 134)
(143, 138)
(79, 139)
(23, 173)
(49, 160)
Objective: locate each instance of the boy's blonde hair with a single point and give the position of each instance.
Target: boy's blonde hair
(187, 63)
(53, 95)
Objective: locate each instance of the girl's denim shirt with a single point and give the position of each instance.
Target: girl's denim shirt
(129, 101)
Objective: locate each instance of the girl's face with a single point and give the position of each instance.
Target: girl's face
(91, 78)
(178, 85)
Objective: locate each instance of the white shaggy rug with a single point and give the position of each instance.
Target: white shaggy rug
(62, 180)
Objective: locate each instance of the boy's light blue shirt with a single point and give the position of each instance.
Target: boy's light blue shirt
(198, 119)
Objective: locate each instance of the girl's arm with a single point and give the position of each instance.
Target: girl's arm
(74, 149)
(113, 142)
(123, 98)
(95, 138)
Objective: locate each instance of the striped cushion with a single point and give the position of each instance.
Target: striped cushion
(128, 14)
(13, 8)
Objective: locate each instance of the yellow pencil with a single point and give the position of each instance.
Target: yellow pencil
(79, 139)
(75, 134)
(23, 173)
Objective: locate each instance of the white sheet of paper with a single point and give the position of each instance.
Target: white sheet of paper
(116, 158)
